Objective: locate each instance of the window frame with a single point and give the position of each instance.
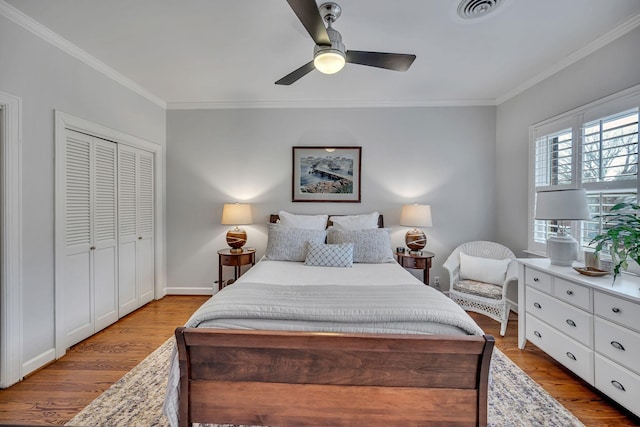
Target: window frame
(575, 120)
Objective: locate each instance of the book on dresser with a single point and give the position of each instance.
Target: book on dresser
(591, 325)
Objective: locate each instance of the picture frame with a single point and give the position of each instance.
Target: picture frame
(326, 174)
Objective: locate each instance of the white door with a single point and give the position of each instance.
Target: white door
(145, 252)
(89, 280)
(104, 234)
(127, 232)
(136, 228)
(77, 293)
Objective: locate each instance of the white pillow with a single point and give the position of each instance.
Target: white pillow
(290, 244)
(322, 255)
(369, 246)
(309, 222)
(355, 222)
(483, 269)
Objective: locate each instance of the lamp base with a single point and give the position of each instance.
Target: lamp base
(562, 249)
(236, 238)
(415, 240)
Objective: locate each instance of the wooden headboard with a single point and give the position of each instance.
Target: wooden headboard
(273, 218)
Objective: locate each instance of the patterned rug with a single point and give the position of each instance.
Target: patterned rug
(136, 399)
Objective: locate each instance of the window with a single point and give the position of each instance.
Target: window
(594, 147)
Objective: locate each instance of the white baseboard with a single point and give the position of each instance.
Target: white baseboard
(39, 361)
(208, 290)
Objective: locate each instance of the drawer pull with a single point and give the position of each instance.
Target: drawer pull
(615, 310)
(569, 293)
(535, 279)
(538, 334)
(571, 356)
(571, 323)
(537, 305)
(617, 385)
(617, 345)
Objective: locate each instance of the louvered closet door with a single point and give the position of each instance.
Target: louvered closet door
(136, 228)
(89, 268)
(77, 292)
(105, 234)
(145, 251)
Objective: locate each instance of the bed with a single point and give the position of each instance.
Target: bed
(293, 344)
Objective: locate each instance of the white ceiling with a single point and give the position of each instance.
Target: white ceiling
(229, 53)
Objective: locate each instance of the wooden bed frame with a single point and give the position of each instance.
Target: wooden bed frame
(275, 378)
(297, 379)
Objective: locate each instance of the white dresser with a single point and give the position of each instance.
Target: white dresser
(589, 325)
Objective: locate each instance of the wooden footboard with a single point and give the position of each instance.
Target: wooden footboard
(298, 379)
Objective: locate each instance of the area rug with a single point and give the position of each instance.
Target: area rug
(136, 399)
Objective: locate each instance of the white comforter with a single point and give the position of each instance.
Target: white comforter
(373, 298)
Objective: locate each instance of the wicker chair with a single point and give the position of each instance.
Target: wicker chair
(485, 298)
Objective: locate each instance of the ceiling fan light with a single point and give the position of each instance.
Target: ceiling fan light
(329, 61)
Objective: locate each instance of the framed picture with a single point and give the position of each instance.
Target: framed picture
(326, 174)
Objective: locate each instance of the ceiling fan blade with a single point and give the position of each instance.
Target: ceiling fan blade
(297, 74)
(389, 61)
(308, 14)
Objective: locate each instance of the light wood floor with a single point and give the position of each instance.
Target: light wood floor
(56, 393)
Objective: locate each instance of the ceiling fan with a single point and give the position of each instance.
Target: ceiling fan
(329, 53)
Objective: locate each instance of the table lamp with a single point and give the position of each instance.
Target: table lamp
(236, 214)
(415, 216)
(562, 205)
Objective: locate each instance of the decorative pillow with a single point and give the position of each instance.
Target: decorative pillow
(369, 246)
(309, 222)
(483, 269)
(355, 222)
(338, 255)
(290, 244)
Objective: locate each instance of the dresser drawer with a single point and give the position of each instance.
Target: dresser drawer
(576, 323)
(568, 352)
(537, 279)
(618, 383)
(617, 343)
(623, 312)
(574, 294)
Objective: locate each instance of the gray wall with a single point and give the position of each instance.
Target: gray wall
(47, 79)
(441, 156)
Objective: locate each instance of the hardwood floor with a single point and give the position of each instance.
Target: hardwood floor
(56, 393)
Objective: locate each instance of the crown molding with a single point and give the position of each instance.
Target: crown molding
(328, 104)
(66, 46)
(623, 28)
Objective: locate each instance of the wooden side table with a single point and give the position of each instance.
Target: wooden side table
(234, 259)
(419, 261)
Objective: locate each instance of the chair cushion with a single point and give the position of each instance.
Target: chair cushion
(481, 289)
(483, 269)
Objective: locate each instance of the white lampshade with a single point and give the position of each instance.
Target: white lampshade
(416, 215)
(562, 205)
(329, 61)
(236, 214)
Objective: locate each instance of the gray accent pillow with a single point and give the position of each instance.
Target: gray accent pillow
(338, 255)
(290, 244)
(369, 246)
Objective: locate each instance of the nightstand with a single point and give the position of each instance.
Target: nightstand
(234, 259)
(418, 261)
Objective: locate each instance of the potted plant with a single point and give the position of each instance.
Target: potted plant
(621, 236)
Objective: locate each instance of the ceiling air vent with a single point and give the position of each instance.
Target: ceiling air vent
(471, 9)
